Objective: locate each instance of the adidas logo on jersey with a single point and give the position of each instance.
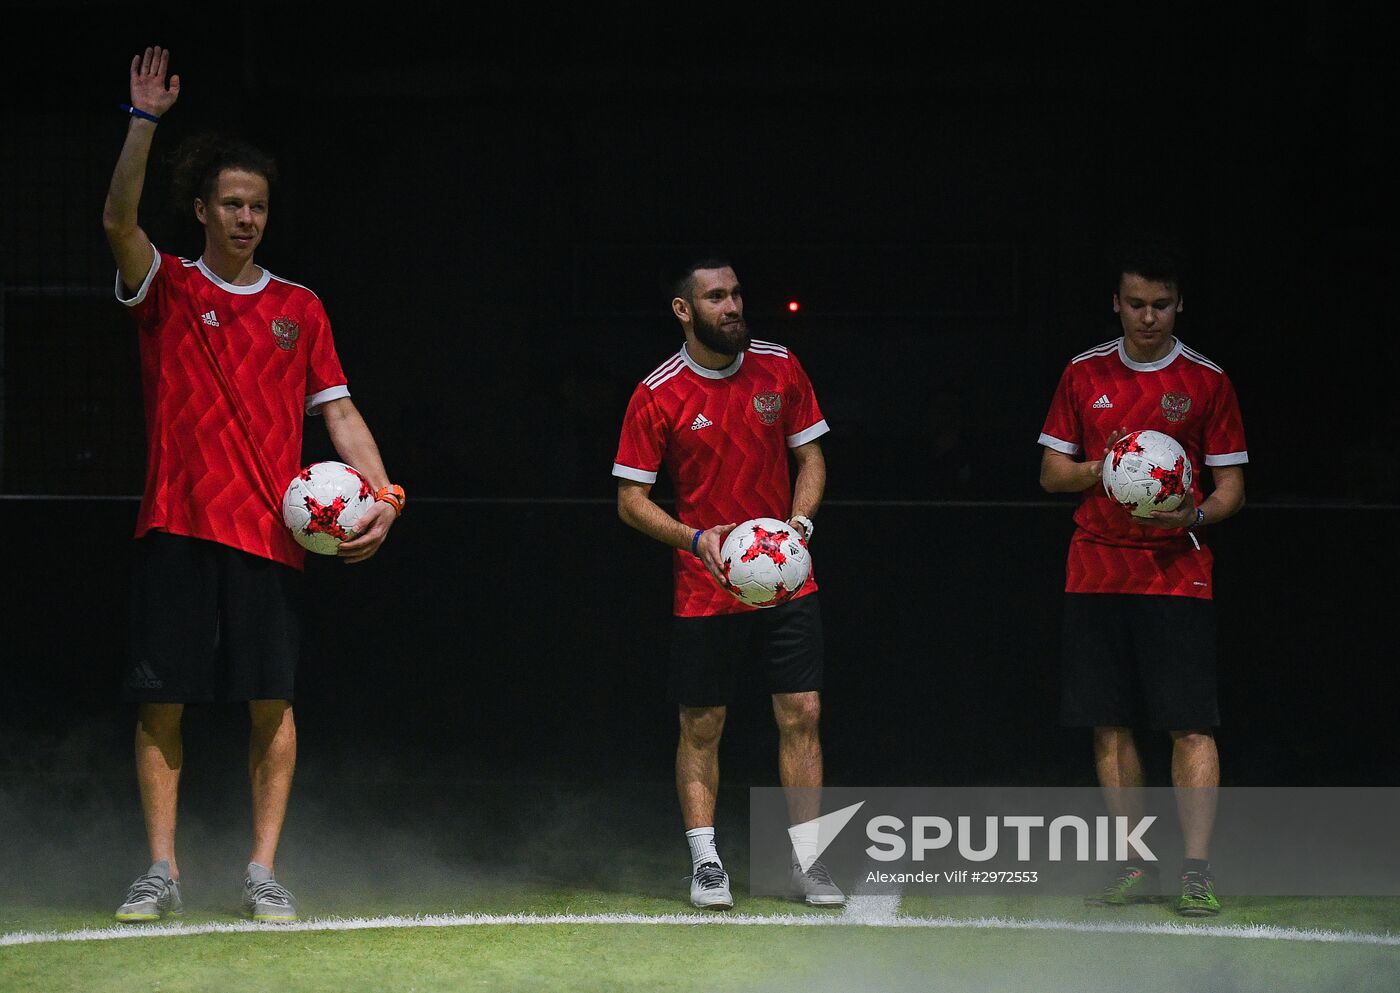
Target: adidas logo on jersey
(1103, 403)
(209, 319)
(701, 421)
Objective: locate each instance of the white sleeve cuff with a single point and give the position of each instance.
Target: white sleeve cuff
(140, 294)
(1064, 447)
(1230, 458)
(314, 401)
(636, 475)
(808, 434)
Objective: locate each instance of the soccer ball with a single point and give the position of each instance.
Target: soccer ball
(765, 562)
(1146, 471)
(323, 503)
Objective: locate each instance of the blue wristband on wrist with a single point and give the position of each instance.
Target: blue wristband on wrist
(695, 542)
(137, 112)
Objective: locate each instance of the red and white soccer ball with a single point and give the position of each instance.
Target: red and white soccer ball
(765, 562)
(1146, 471)
(323, 503)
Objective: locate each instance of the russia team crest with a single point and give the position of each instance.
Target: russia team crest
(768, 404)
(1175, 406)
(285, 331)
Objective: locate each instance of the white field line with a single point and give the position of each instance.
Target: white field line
(703, 920)
(875, 910)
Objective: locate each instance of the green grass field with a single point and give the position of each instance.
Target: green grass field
(357, 854)
(708, 955)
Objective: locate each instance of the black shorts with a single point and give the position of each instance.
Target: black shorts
(209, 622)
(785, 642)
(1131, 660)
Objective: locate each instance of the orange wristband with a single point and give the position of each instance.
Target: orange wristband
(393, 496)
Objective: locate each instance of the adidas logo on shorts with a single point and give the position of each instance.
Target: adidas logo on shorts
(143, 677)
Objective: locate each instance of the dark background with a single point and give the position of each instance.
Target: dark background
(486, 207)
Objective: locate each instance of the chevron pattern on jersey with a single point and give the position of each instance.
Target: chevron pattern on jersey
(1186, 396)
(224, 405)
(733, 470)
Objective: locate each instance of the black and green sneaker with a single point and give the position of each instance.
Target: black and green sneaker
(1197, 895)
(1132, 883)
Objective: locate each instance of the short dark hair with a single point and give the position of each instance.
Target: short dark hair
(1156, 261)
(683, 280)
(200, 158)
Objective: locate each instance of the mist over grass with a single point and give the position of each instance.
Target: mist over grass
(368, 831)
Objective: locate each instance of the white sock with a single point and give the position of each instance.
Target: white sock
(702, 847)
(804, 849)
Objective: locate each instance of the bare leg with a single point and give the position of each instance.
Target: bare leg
(1196, 775)
(1119, 768)
(272, 758)
(160, 755)
(697, 764)
(800, 752)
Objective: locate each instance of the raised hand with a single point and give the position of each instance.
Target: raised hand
(149, 91)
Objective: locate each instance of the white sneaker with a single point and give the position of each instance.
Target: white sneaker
(709, 888)
(816, 886)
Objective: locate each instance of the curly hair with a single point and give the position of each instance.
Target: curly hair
(199, 159)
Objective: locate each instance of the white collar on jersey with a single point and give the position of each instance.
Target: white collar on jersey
(231, 287)
(1161, 363)
(700, 370)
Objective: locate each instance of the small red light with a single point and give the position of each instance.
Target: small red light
(792, 306)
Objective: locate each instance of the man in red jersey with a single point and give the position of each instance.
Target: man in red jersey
(232, 359)
(1139, 623)
(721, 415)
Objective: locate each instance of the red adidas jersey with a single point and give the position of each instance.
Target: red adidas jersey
(723, 436)
(228, 374)
(1184, 395)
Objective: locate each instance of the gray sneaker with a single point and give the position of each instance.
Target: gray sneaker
(152, 896)
(816, 886)
(709, 888)
(265, 899)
